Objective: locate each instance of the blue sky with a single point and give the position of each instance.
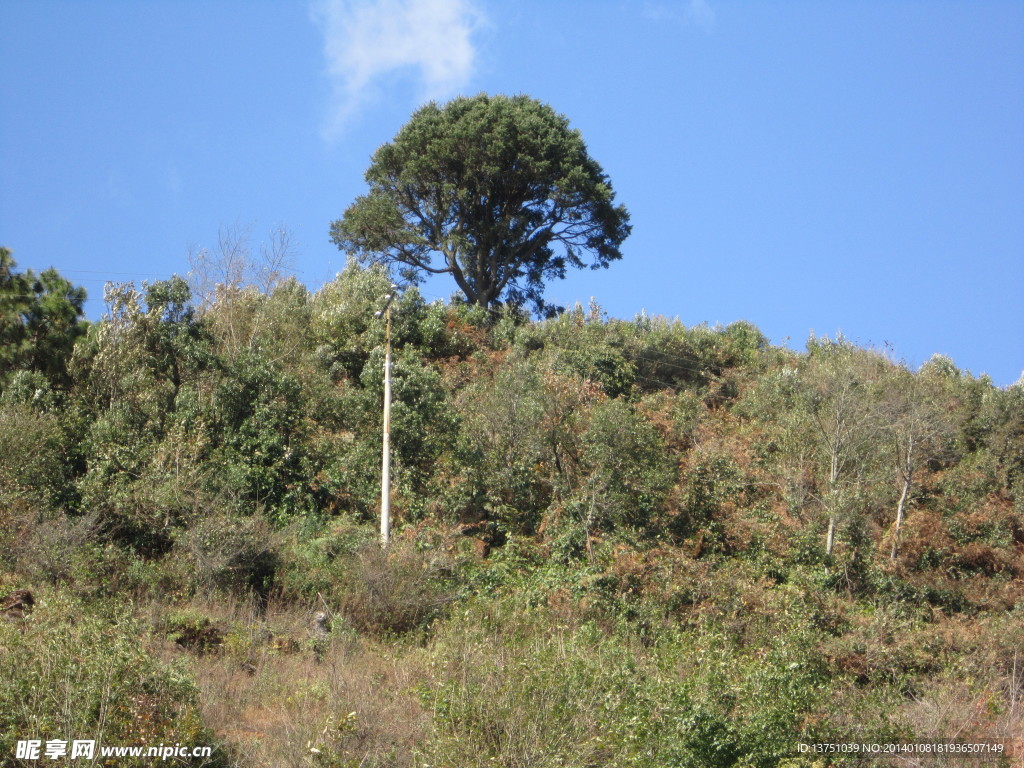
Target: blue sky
(850, 167)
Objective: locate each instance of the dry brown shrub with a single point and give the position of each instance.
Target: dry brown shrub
(393, 591)
(565, 608)
(970, 709)
(980, 557)
(463, 338)
(923, 531)
(978, 697)
(884, 649)
(994, 594)
(18, 521)
(201, 638)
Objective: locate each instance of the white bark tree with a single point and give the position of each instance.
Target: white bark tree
(232, 279)
(838, 381)
(919, 425)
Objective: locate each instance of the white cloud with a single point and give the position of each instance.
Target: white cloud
(697, 12)
(364, 41)
(701, 12)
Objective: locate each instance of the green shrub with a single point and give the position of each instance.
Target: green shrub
(35, 464)
(515, 686)
(311, 556)
(628, 469)
(71, 672)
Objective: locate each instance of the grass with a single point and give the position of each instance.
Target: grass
(72, 670)
(627, 658)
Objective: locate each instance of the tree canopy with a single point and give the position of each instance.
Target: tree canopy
(499, 187)
(40, 318)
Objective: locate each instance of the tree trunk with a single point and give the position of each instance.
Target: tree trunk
(907, 471)
(899, 517)
(833, 481)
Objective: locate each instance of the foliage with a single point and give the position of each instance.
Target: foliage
(625, 470)
(389, 593)
(499, 186)
(258, 424)
(40, 319)
(514, 688)
(610, 543)
(42, 471)
(73, 673)
(503, 449)
(230, 553)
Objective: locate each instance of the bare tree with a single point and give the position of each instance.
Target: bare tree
(232, 280)
(231, 266)
(276, 259)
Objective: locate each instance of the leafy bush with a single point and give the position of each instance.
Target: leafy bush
(516, 687)
(503, 446)
(259, 428)
(35, 464)
(628, 471)
(71, 672)
(311, 555)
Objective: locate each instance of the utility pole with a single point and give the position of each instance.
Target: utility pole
(385, 475)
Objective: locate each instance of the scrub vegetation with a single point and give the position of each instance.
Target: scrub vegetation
(617, 543)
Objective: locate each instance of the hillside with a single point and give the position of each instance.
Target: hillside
(616, 543)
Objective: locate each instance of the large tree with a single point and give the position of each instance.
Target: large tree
(500, 188)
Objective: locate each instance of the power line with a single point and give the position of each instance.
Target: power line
(107, 272)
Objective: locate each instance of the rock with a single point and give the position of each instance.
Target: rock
(320, 635)
(321, 625)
